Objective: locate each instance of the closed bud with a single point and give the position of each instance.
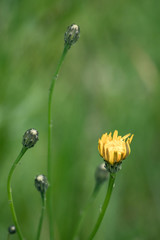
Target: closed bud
(12, 229)
(101, 173)
(41, 183)
(30, 138)
(71, 35)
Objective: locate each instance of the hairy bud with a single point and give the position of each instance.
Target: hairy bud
(12, 229)
(41, 183)
(30, 138)
(71, 35)
(101, 173)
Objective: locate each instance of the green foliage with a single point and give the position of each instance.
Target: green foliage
(109, 80)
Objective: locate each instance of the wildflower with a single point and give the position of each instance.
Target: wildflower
(41, 183)
(12, 229)
(71, 35)
(114, 149)
(30, 138)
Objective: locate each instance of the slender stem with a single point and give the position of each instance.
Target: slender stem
(42, 216)
(9, 190)
(104, 207)
(8, 238)
(85, 210)
(49, 167)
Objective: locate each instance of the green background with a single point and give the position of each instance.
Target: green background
(109, 80)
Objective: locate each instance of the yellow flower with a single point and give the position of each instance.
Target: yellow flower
(114, 149)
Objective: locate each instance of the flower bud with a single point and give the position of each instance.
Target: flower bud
(71, 35)
(41, 183)
(30, 138)
(101, 173)
(12, 229)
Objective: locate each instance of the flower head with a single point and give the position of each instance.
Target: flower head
(114, 149)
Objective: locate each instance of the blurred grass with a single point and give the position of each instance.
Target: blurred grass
(109, 80)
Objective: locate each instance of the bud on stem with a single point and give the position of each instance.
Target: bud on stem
(41, 184)
(71, 35)
(30, 138)
(12, 229)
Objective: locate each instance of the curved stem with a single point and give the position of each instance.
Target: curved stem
(85, 210)
(49, 167)
(9, 191)
(104, 207)
(41, 217)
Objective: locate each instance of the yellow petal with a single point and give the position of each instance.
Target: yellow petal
(126, 136)
(130, 139)
(111, 157)
(115, 157)
(128, 150)
(100, 147)
(115, 134)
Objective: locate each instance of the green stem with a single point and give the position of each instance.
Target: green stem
(85, 210)
(9, 190)
(49, 167)
(104, 207)
(8, 238)
(42, 216)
